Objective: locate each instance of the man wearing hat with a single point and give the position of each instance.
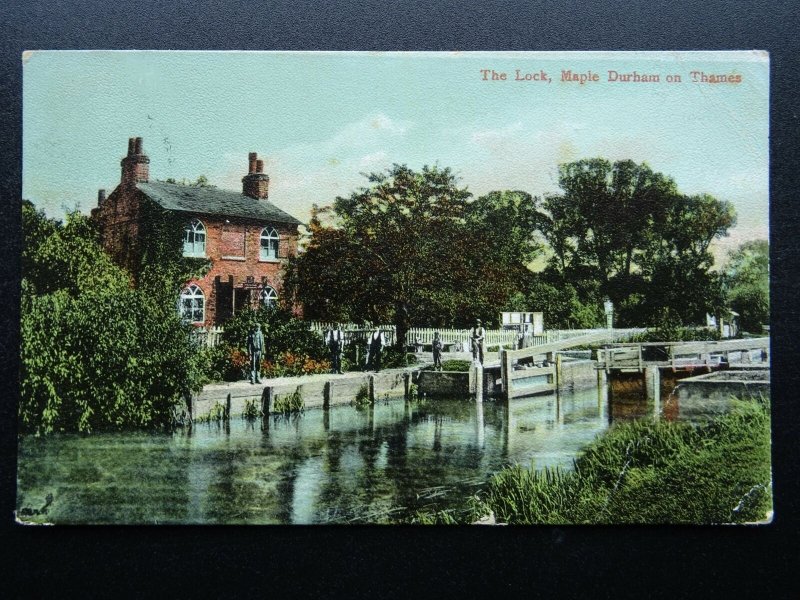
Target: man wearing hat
(478, 334)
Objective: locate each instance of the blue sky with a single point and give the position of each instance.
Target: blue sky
(321, 119)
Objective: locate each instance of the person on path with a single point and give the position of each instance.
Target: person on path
(437, 351)
(477, 337)
(255, 348)
(335, 343)
(376, 344)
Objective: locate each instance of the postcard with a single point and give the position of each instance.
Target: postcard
(464, 288)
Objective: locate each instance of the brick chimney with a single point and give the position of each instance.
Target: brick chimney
(256, 183)
(101, 197)
(136, 165)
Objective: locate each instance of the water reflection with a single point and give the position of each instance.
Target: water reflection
(375, 464)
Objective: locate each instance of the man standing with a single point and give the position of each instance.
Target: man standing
(478, 334)
(375, 344)
(255, 348)
(335, 345)
(437, 351)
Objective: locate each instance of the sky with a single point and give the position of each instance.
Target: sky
(321, 120)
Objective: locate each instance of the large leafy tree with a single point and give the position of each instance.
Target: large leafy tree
(411, 247)
(746, 283)
(621, 230)
(96, 353)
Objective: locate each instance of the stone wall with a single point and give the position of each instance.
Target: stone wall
(450, 384)
(577, 375)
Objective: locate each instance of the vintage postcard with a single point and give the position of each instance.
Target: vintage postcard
(395, 288)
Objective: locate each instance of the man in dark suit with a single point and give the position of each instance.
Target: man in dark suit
(477, 337)
(255, 348)
(335, 345)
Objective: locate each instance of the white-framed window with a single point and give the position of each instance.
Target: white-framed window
(192, 305)
(269, 297)
(269, 244)
(194, 239)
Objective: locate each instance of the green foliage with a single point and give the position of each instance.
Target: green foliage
(362, 396)
(667, 328)
(413, 392)
(282, 333)
(289, 403)
(651, 472)
(629, 234)
(419, 249)
(66, 257)
(159, 267)
(252, 409)
(392, 358)
(456, 365)
(217, 414)
(96, 354)
(746, 284)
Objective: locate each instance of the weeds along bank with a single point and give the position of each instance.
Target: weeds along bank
(643, 472)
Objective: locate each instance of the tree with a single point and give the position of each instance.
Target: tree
(96, 353)
(412, 248)
(622, 231)
(746, 284)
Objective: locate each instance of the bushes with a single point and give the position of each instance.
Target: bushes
(289, 403)
(101, 361)
(456, 365)
(96, 354)
(283, 333)
(291, 348)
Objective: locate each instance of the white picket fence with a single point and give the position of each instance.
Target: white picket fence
(455, 338)
(207, 336)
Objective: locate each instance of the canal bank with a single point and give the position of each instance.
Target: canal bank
(327, 390)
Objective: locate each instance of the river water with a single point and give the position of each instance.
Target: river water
(345, 465)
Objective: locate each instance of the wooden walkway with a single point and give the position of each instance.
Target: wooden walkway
(537, 369)
(681, 355)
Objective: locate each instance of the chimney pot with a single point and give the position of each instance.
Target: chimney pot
(101, 197)
(259, 166)
(251, 159)
(135, 166)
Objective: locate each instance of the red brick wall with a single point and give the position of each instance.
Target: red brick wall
(118, 219)
(119, 228)
(227, 274)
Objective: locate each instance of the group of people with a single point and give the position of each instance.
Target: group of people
(335, 340)
(376, 341)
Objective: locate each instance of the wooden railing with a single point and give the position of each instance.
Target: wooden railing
(681, 354)
(537, 368)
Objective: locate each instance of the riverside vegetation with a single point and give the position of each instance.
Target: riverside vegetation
(642, 472)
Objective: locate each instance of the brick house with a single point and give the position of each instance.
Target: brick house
(244, 236)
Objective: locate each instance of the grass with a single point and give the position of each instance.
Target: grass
(645, 472)
(289, 403)
(252, 409)
(362, 396)
(456, 365)
(215, 415)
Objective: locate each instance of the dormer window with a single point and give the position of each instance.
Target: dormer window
(194, 239)
(269, 244)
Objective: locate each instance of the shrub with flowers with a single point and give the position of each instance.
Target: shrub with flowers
(291, 348)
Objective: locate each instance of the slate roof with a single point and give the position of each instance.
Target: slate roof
(213, 201)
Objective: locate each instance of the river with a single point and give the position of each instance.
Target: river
(345, 465)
